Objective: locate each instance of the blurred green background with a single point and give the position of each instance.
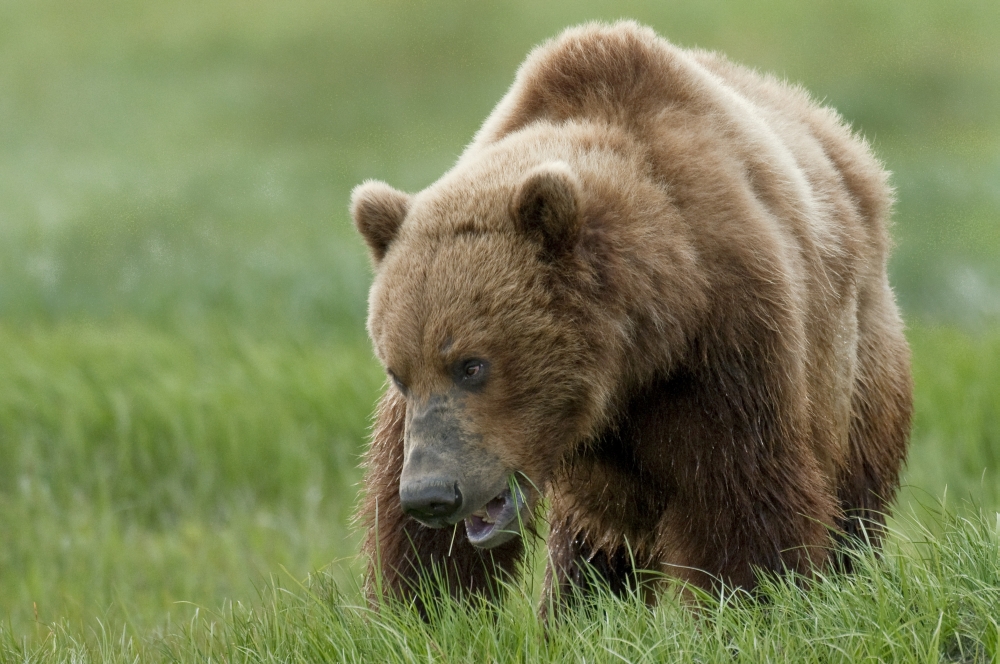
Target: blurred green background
(185, 384)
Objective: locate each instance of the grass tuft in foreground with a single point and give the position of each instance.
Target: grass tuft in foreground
(925, 599)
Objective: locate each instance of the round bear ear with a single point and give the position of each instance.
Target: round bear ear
(547, 207)
(378, 210)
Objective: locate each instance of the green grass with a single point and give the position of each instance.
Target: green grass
(185, 385)
(955, 448)
(143, 469)
(924, 600)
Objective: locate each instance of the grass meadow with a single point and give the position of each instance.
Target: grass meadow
(185, 382)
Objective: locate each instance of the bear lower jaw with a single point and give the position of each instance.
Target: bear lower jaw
(499, 521)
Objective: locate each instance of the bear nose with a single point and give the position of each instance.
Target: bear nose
(432, 501)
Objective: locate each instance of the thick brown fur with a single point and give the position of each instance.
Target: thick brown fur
(703, 368)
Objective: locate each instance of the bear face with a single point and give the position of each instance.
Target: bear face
(464, 323)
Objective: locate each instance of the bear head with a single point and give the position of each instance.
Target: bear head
(482, 313)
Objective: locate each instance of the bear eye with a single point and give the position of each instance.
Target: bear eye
(397, 382)
(470, 373)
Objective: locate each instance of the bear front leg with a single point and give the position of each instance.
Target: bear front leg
(403, 553)
(750, 496)
(576, 569)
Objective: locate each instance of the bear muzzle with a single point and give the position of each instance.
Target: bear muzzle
(449, 476)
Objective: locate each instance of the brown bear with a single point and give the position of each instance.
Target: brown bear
(651, 295)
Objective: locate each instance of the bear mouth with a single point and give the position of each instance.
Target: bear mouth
(500, 520)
